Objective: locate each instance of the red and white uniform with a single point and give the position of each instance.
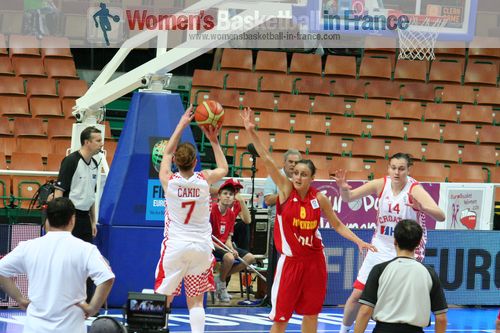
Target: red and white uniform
(300, 279)
(391, 209)
(187, 248)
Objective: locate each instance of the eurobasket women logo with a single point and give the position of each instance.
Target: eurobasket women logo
(104, 25)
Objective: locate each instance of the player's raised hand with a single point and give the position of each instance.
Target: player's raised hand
(187, 117)
(341, 180)
(211, 133)
(414, 203)
(247, 115)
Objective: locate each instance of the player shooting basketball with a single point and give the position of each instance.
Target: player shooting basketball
(186, 253)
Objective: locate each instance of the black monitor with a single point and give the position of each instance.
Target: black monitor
(146, 310)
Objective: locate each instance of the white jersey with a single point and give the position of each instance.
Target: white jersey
(187, 209)
(392, 209)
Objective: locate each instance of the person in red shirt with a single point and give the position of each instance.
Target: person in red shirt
(223, 217)
(301, 277)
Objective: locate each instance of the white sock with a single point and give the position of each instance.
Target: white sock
(344, 329)
(197, 320)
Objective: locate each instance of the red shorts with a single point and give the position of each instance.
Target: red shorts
(299, 285)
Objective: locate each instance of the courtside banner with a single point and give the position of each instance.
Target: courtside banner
(467, 263)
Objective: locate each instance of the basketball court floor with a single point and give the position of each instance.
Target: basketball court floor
(254, 320)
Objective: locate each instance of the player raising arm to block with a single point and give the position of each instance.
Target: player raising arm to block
(186, 253)
(400, 197)
(300, 278)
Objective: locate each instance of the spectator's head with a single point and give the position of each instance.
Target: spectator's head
(407, 235)
(61, 213)
(91, 140)
(303, 174)
(185, 156)
(228, 190)
(290, 158)
(107, 324)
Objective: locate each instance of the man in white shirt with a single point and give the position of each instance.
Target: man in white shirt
(57, 266)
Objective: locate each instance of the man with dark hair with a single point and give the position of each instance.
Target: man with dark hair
(400, 293)
(77, 181)
(57, 266)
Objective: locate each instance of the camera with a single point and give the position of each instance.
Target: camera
(91, 116)
(147, 313)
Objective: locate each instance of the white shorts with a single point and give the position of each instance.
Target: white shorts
(189, 261)
(384, 253)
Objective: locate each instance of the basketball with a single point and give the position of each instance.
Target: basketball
(209, 113)
(116, 18)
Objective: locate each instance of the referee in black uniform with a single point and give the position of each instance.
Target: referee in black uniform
(77, 181)
(401, 293)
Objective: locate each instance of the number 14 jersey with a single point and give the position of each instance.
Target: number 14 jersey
(392, 209)
(187, 209)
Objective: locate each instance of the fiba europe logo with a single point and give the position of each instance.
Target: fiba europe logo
(157, 153)
(104, 25)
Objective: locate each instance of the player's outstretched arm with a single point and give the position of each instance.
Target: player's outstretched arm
(213, 176)
(283, 184)
(335, 223)
(421, 200)
(168, 153)
(348, 194)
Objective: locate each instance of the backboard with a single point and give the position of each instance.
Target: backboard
(384, 17)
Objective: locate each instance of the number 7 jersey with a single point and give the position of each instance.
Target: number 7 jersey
(187, 209)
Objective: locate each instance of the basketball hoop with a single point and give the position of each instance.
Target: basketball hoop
(418, 41)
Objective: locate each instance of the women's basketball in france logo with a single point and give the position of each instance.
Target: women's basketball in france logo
(104, 25)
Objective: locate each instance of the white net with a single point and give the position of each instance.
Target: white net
(418, 41)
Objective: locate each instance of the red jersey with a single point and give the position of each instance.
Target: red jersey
(222, 225)
(296, 231)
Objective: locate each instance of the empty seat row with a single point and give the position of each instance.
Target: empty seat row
(42, 87)
(33, 127)
(27, 45)
(370, 148)
(204, 80)
(38, 67)
(30, 154)
(358, 169)
(10, 85)
(332, 105)
(372, 66)
(43, 107)
(383, 128)
(37, 128)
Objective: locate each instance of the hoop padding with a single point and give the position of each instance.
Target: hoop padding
(418, 40)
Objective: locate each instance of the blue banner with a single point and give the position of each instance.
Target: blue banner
(467, 263)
